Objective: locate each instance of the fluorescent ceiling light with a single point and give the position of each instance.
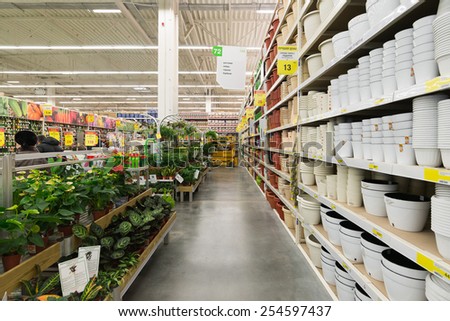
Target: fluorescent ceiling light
(13, 82)
(76, 99)
(131, 98)
(139, 88)
(106, 11)
(109, 47)
(264, 11)
(108, 102)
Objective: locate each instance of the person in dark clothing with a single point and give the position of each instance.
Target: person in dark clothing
(49, 145)
(27, 141)
(40, 139)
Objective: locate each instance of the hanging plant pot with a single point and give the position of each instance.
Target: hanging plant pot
(66, 230)
(99, 214)
(10, 261)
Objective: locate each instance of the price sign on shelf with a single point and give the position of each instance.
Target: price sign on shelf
(153, 179)
(287, 63)
(90, 138)
(55, 133)
(68, 138)
(179, 178)
(47, 109)
(260, 98)
(196, 173)
(118, 122)
(377, 233)
(90, 118)
(430, 265)
(158, 136)
(2, 137)
(437, 175)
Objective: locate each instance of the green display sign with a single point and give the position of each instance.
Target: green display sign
(217, 51)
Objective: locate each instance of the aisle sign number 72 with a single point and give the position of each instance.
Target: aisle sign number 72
(287, 63)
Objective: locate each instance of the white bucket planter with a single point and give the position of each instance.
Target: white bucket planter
(350, 236)
(311, 215)
(314, 250)
(325, 7)
(333, 220)
(360, 294)
(344, 292)
(310, 23)
(405, 154)
(407, 212)
(371, 249)
(341, 42)
(314, 63)
(374, 202)
(327, 51)
(328, 272)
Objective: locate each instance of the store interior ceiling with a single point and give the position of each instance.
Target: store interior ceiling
(45, 53)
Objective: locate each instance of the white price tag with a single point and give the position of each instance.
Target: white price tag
(179, 178)
(92, 255)
(197, 172)
(153, 179)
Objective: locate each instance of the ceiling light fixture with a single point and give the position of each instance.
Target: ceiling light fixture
(106, 11)
(264, 11)
(13, 82)
(76, 99)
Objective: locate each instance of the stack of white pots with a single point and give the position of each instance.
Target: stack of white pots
(328, 263)
(440, 220)
(345, 284)
(321, 170)
(404, 279)
(403, 135)
(333, 220)
(373, 195)
(364, 78)
(350, 235)
(376, 126)
(367, 139)
(311, 22)
(332, 186)
(441, 29)
(425, 130)
(342, 180)
(358, 26)
(343, 140)
(304, 136)
(314, 63)
(371, 249)
(354, 178)
(303, 107)
(309, 209)
(314, 248)
(343, 90)
(388, 140)
(376, 68)
(341, 42)
(307, 173)
(357, 140)
(353, 86)
(404, 59)
(378, 9)
(312, 104)
(323, 216)
(436, 289)
(444, 131)
(334, 92)
(388, 73)
(360, 294)
(425, 66)
(327, 51)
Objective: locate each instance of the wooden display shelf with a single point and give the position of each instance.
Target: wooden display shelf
(129, 278)
(191, 188)
(10, 280)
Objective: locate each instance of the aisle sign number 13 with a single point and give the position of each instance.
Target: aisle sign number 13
(287, 63)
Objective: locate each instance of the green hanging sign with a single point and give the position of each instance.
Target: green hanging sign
(217, 51)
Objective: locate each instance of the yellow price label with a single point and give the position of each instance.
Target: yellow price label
(136, 126)
(379, 101)
(430, 265)
(90, 118)
(340, 161)
(55, 134)
(287, 63)
(436, 175)
(158, 136)
(48, 111)
(377, 233)
(90, 139)
(2, 137)
(68, 139)
(343, 110)
(345, 266)
(437, 84)
(333, 207)
(316, 196)
(373, 166)
(118, 123)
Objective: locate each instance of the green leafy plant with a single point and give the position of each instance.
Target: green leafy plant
(39, 286)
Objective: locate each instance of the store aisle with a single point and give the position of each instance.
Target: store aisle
(227, 245)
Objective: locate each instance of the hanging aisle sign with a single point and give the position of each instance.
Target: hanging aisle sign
(54, 132)
(260, 98)
(2, 137)
(90, 138)
(287, 63)
(231, 67)
(47, 109)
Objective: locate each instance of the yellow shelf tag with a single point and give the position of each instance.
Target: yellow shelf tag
(287, 63)
(68, 139)
(436, 175)
(2, 137)
(373, 166)
(436, 84)
(377, 233)
(345, 266)
(379, 101)
(430, 265)
(48, 109)
(158, 136)
(343, 110)
(316, 196)
(333, 207)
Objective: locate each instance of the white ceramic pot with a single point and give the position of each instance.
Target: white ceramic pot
(425, 70)
(350, 235)
(379, 185)
(311, 215)
(307, 178)
(311, 22)
(374, 202)
(341, 42)
(332, 186)
(367, 151)
(328, 272)
(389, 153)
(333, 220)
(405, 78)
(407, 212)
(377, 153)
(398, 263)
(357, 147)
(371, 248)
(314, 247)
(401, 288)
(443, 244)
(344, 292)
(325, 7)
(376, 88)
(360, 294)
(405, 154)
(358, 26)
(430, 157)
(327, 51)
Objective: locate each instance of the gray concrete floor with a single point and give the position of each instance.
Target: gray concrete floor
(227, 245)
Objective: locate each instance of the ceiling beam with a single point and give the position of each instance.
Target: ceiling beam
(132, 19)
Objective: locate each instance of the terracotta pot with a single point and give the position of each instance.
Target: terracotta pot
(279, 209)
(66, 230)
(99, 214)
(10, 261)
(34, 249)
